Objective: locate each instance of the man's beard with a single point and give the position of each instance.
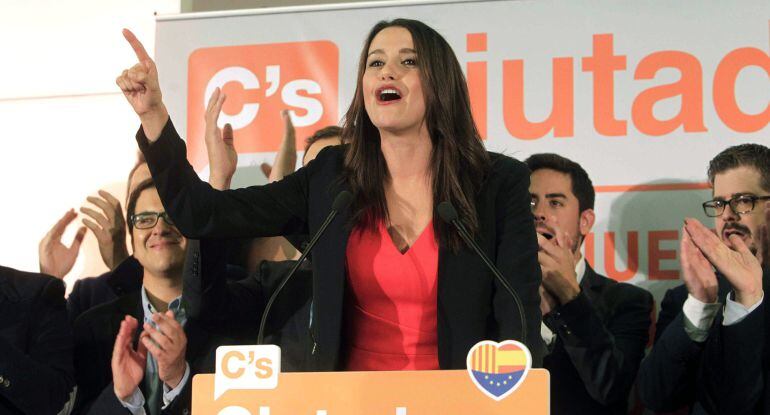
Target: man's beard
(744, 231)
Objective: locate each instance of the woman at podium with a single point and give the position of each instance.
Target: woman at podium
(394, 286)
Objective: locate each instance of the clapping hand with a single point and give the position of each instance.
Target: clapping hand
(764, 239)
(557, 262)
(56, 259)
(167, 343)
(223, 159)
(739, 266)
(286, 158)
(698, 274)
(127, 364)
(109, 227)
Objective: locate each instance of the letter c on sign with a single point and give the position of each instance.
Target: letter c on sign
(232, 374)
(248, 80)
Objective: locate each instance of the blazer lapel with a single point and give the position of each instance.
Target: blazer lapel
(329, 295)
(10, 301)
(198, 345)
(592, 283)
(126, 278)
(129, 304)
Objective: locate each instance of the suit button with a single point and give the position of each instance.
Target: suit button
(6, 383)
(1, 379)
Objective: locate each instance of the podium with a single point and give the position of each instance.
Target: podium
(444, 392)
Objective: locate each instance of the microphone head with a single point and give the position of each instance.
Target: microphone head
(342, 200)
(447, 212)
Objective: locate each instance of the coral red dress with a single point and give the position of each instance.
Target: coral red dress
(392, 302)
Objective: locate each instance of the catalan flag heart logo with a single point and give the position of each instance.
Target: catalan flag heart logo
(498, 369)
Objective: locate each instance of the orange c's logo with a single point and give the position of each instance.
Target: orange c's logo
(260, 81)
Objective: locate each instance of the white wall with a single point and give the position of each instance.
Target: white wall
(66, 129)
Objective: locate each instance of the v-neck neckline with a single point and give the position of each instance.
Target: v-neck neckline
(384, 228)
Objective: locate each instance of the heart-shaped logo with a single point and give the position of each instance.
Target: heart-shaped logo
(498, 369)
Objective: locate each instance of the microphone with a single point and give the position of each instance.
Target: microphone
(449, 215)
(340, 203)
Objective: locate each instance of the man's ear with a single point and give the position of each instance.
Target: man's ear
(586, 222)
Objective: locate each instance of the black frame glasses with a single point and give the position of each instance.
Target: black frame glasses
(740, 205)
(154, 216)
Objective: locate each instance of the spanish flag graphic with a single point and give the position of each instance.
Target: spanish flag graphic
(497, 369)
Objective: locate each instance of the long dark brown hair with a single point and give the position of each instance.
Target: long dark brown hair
(459, 163)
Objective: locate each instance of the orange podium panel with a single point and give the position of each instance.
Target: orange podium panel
(445, 392)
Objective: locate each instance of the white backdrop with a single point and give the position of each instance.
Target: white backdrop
(66, 128)
(647, 92)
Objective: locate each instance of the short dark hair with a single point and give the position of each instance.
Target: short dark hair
(582, 187)
(326, 132)
(133, 197)
(139, 161)
(744, 155)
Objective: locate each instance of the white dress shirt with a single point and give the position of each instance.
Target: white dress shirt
(699, 316)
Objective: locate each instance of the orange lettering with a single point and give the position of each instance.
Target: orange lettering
(603, 64)
(724, 90)
(689, 87)
(477, 89)
(632, 262)
(561, 119)
(226, 364)
(264, 368)
(656, 254)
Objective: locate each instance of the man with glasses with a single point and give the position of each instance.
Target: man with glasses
(138, 354)
(709, 344)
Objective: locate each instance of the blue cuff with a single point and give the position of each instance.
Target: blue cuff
(170, 394)
(134, 403)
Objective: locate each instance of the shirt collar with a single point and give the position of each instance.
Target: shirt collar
(148, 310)
(580, 270)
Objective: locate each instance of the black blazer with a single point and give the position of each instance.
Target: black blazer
(471, 304)
(670, 377)
(234, 308)
(736, 365)
(35, 344)
(600, 340)
(93, 291)
(95, 333)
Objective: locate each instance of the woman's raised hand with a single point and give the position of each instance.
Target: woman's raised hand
(141, 88)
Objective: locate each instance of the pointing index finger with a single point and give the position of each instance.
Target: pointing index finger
(136, 45)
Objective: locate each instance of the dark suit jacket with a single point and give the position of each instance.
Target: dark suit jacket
(472, 306)
(93, 291)
(234, 308)
(736, 365)
(670, 377)
(601, 336)
(35, 344)
(95, 333)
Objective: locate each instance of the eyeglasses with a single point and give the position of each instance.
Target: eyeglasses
(147, 220)
(739, 205)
